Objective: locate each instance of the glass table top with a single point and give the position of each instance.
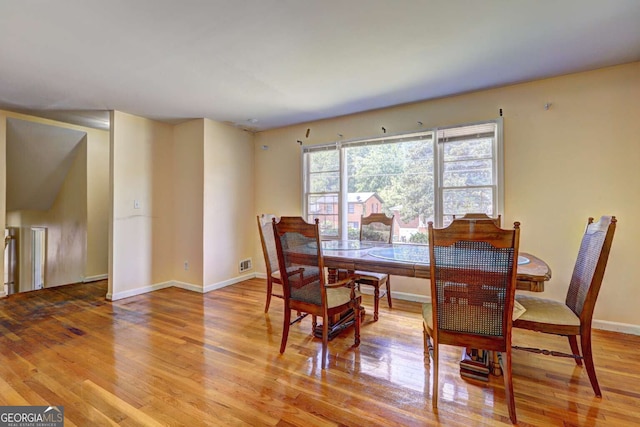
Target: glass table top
(344, 245)
(418, 254)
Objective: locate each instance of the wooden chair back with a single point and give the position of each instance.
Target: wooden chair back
(265, 228)
(478, 215)
(377, 227)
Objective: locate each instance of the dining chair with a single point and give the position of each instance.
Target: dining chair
(572, 318)
(305, 288)
(479, 215)
(473, 281)
(265, 228)
(377, 227)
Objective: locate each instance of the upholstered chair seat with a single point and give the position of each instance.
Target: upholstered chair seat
(543, 310)
(311, 294)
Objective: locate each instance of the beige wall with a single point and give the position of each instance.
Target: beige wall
(194, 182)
(188, 190)
(141, 239)
(577, 159)
(229, 230)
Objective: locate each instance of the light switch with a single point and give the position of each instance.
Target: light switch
(136, 204)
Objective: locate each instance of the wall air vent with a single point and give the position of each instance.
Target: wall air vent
(245, 265)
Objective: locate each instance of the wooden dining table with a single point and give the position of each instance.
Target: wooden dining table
(409, 260)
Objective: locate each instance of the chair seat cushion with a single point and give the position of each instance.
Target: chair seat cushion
(310, 293)
(542, 310)
(427, 313)
(369, 275)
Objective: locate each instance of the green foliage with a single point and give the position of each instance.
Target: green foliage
(371, 235)
(354, 233)
(419, 238)
(371, 168)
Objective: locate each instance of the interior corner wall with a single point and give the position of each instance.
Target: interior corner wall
(576, 159)
(97, 204)
(141, 214)
(188, 190)
(229, 226)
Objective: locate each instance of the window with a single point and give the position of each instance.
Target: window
(418, 177)
(322, 187)
(352, 208)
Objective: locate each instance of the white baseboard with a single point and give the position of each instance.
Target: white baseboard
(368, 290)
(187, 286)
(182, 285)
(138, 291)
(95, 278)
(625, 328)
(225, 283)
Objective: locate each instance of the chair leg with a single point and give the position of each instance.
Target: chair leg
(508, 384)
(389, 292)
(269, 290)
(357, 325)
(573, 343)
(434, 397)
(285, 329)
(325, 340)
(585, 340)
(376, 301)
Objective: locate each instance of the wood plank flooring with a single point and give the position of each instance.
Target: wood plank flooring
(179, 358)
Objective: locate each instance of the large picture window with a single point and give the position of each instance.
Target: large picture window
(418, 177)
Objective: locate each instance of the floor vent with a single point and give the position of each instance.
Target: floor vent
(245, 265)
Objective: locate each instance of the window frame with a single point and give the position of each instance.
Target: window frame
(438, 164)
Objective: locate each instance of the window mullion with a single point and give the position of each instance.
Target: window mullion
(343, 232)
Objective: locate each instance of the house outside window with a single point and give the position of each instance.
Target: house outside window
(418, 177)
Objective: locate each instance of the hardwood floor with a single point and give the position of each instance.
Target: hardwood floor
(174, 357)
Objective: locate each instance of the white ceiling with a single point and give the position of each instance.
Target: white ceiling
(282, 62)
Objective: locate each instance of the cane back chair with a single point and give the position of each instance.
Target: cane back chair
(473, 282)
(377, 227)
(265, 228)
(304, 285)
(572, 318)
